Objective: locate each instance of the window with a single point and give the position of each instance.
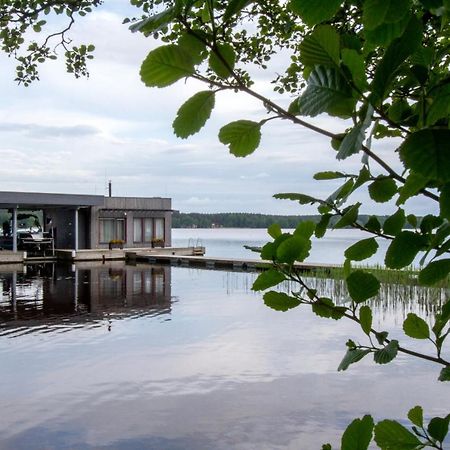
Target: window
(137, 233)
(112, 229)
(159, 229)
(148, 229)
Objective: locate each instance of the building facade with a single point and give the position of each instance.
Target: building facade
(93, 221)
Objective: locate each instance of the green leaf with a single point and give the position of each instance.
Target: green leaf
(165, 65)
(222, 60)
(356, 64)
(434, 272)
(444, 201)
(352, 142)
(396, 54)
(243, 137)
(342, 192)
(324, 307)
(358, 434)
(440, 105)
(303, 199)
(193, 46)
(373, 224)
(313, 12)
(415, 415)
(365, 319)
(382, 189)
(155, 22)
(352, 356)
(386, 354)
(413, 185)
(349, 217)
(274, 230)
(381, 337)
(390, 435)
(268, 252)
(445, 374)
(305, 229)
(327, 91)
(377, 12)
(322, 225)
(416, 327)
(426, 153)
(234, 7)
(362, 250)
(394, 224)
(295, 248)
(268, 279)
(280, 301)
(329, 175)
(321, 47)
(362, 285)
(326, 447)
(438, 427)
(403, 249)
(193, 114)
(387, 32)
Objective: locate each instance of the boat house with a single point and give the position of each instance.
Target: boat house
(78, 222)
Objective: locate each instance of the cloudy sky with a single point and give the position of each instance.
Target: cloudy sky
(71, 136)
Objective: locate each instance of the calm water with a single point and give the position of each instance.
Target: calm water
(156, 357)
(230, 242)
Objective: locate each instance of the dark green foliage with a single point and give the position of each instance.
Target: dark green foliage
(352, 356)
(387, 353)
(362, 285)
(415, 327)
(280, 301)
(403, 249)
(390, 435)
(434, 272)
(382, 189)
(362, 250)
(268, 279)
(358, 434)
(365, 319)
(242, 136)
(193, 114)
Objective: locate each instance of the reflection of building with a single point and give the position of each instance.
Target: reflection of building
(83, 292)
(93, 221)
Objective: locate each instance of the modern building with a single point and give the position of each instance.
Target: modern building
(80, 222)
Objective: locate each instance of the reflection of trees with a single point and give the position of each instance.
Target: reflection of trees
(396, 298)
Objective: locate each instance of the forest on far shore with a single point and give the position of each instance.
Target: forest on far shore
(249, 220)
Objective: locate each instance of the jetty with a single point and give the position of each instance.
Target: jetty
(212, 262)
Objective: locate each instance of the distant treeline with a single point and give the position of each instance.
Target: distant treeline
(247, 220)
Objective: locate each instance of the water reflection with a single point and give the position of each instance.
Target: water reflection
(34, 295)
(225, 372)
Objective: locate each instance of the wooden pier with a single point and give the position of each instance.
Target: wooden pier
(216, 262)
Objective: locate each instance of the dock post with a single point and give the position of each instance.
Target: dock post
(76, 229)
(14, 229)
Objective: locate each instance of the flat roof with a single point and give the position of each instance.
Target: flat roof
(45, 200)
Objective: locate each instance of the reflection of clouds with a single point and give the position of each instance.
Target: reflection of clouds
(226, 369)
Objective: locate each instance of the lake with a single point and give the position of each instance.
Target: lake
(229, 242)
(114, 356)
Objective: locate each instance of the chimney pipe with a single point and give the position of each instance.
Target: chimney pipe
(110, 188)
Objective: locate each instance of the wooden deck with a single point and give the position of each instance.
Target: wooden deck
(216, 262)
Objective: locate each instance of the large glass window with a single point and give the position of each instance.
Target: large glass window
(137, 233)
(106, 230)
(112, 229)
(148, 230)
(159, 229)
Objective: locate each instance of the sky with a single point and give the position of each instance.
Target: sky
(69, 135)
